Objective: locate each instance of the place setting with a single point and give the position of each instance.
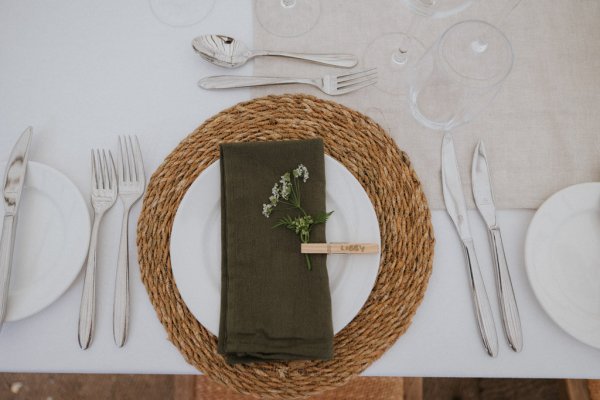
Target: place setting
(241, 152)
(287, 243)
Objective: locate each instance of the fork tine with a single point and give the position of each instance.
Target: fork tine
(354, 75)
(94, 172)
(139, 161)
(99, 174)
(356, 81)
(130, 160)
(105, 170)
(129, 167)
(112, 172)
(121, 161)
(352, 88)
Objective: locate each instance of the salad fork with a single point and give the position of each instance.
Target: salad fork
(132, 182)
(104, 195)
(332, 85)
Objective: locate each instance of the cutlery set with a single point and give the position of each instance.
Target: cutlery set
(227, 52)
(457, 209)
(126, 181)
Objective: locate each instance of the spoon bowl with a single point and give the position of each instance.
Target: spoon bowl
(228, 52)
(222, 50)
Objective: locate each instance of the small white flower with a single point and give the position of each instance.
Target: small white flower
(286, 186)
(301, 172)
(275, 191)
(286, 190)
(267, 210)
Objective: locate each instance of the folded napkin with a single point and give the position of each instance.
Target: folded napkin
(272, 306)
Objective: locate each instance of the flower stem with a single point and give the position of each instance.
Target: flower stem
(308, 264)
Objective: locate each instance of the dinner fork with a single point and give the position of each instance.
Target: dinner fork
(132, 182)
(104, 194)
(329, 84)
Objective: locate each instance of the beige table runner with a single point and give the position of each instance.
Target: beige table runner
(542, 132)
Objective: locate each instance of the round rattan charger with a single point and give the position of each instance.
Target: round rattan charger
(404, 219)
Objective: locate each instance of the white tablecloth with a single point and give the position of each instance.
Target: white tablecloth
(83, 72)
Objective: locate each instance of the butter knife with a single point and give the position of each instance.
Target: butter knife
(14, 177)
(457, 209)
(484, 198)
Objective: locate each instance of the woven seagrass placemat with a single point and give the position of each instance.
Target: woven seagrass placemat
(404, 219)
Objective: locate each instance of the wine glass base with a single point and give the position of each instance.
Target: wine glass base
(287, 18)
(394, 55)
(180, 13)
(426, 122)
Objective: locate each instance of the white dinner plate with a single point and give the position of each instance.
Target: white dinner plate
(562, 257)
(53, 231)
(196, 245)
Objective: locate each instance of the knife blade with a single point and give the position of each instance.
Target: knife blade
(14, 177)
(484, 199)
(456, 206)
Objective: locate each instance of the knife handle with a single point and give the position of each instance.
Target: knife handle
(6, 252)
(87, 309)
(483, 311)
(506, 294)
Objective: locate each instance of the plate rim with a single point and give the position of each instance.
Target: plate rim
(372, 211)
(528, 253)
(68, 281)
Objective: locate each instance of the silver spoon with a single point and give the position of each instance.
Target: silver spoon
(227, 52)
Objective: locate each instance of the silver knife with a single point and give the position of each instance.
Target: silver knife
(457, 209)
(14, 176)
(484, 198)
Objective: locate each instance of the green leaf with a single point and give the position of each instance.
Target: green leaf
(286, 221)
(322, 217)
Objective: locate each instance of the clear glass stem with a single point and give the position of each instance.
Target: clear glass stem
(401, 55)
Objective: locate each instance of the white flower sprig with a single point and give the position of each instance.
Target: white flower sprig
(287, 191)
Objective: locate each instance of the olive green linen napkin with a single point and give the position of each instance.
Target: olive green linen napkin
(272, 306)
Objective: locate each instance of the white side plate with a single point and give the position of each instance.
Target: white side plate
(562, 256)
(196, 245)
(53, 231)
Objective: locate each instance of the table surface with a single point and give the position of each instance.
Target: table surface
(84, 72)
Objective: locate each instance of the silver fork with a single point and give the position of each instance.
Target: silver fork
(132, 182)
(332, 85)
(104, 194)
